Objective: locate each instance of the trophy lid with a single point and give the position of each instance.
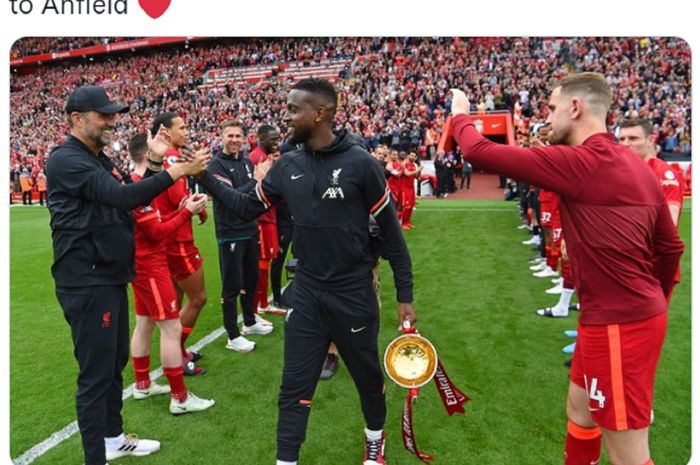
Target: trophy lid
(410, 361)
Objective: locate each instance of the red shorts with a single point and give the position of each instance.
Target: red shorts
(545, 215)
(556, 233)
(154, 295)
(269, 242)
(616, 365)
(183, 260)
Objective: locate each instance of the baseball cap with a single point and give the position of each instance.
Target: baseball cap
(93, 98)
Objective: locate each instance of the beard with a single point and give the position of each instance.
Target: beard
(558, 137)
(299, 136)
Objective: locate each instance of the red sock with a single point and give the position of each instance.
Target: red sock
(407, 215)
(186, 331)
(142, 365)
(176, 380)
(261, 291)
(582, 445)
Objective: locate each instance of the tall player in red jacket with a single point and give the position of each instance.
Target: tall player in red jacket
(268, 148)
(155, 301)
(625, 250)
(637, 134)
(184, 260)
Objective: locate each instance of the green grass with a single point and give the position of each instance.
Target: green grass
(475, 300)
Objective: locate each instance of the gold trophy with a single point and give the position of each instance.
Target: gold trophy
(411, 361)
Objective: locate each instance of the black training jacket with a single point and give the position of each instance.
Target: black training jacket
(331, 193)
(237, 173)
(91, 222)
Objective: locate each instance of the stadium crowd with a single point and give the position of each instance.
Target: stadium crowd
(394, 92)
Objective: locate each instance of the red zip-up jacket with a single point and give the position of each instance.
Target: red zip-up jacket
(623, 245)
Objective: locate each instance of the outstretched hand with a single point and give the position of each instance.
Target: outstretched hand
(460, 102)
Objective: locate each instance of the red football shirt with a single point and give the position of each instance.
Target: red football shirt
(258, 155)
(168, 202)
(623, 245)
(670, 183)
(151, 231)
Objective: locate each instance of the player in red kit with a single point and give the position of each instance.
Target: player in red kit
(155, 301)
(625, 251)
(411, 172)
(637, 134)
(184, 260)
(268, 148)
(394, 171)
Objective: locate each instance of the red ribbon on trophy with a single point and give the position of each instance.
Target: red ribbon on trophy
(411, 361)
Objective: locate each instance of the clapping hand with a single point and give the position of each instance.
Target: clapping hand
(261, 170)
(158, 145)
(196, 203)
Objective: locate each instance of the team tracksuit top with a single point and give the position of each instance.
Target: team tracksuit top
(623, 245)
(91, 221)
(237, 173)
(330, 192)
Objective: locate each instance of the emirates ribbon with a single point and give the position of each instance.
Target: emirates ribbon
(409, 439)
(452, 398)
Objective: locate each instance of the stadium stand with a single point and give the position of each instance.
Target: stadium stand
(393, 91)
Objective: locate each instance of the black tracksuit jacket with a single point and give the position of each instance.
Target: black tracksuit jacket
(91, 222)
(237, 173)
(331, 193)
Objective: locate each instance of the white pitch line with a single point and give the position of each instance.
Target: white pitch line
(58, 437)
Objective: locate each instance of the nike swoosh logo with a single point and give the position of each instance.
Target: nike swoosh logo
(296, 176)
(232, 170)
(353, 330)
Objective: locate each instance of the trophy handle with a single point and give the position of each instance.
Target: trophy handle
(407, 328)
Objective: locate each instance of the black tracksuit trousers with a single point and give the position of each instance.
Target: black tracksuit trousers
(350, 318)
(99, 322)
(238, 264)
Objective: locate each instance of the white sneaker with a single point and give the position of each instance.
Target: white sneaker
(258, 319)
(546, 273)
(240, 344)
(131, 445)
(539, 267)
(258, 328)
(557, 280)
(153, 390)
(262, 321)
(190, 405)
(534, 240)
(555, 290)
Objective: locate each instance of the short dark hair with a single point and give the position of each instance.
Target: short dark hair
(592, 86)
(264, 129)
(322, 88)
(643, 123)
(163, 119)
(231, 123)
(138, 146)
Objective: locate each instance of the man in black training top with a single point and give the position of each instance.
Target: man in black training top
(331, 185)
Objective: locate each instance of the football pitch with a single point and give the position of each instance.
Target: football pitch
(475, 299)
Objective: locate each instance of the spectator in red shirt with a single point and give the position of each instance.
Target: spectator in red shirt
(625, 251)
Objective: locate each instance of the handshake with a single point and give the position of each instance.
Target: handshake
(192, 161)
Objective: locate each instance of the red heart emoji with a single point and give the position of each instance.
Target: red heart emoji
(154, 8)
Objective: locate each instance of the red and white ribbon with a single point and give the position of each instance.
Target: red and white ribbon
(452, 398)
